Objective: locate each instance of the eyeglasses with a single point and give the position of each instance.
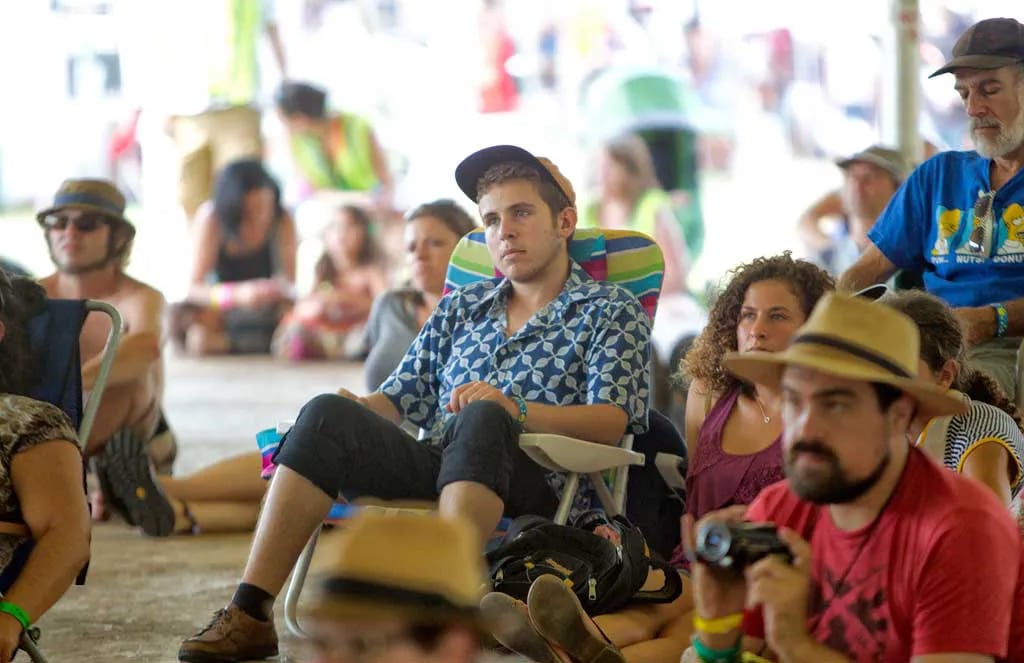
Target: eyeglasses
(85, 223)
(982, 222)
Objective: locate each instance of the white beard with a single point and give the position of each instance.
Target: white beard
(1009, 138)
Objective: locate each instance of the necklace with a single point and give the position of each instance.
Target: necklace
(764, 414)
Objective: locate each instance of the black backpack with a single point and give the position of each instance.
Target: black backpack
(604, 576)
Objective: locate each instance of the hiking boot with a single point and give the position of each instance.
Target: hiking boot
(130, 486)
(230, 636)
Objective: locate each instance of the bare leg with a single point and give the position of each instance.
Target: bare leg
(119, 409)
(647, 634)
(294, 508)
(232, 479)
(668, 646)
(473, 501)
(215, 517)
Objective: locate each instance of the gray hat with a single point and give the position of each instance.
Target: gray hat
(886, 158)
(988, 44)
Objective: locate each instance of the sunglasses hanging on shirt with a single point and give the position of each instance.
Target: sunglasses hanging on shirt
(982, 222)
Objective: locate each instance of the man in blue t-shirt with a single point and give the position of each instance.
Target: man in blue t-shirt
(959, 218)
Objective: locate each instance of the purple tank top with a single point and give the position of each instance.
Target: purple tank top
(716, 479)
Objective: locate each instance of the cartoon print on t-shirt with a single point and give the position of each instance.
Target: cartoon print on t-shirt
(949, 236)
(1010, 232)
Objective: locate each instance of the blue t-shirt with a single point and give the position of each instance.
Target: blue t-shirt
(927, 225)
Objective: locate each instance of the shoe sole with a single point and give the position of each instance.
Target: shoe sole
(557, 615)
(124, 468)
(510, 626)
(203, 657)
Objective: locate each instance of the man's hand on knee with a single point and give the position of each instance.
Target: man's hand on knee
(345, 393)
(470, 392)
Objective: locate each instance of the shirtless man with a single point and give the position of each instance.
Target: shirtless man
(90, 241)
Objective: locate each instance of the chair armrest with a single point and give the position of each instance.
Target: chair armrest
(670, 466)
(566, 454)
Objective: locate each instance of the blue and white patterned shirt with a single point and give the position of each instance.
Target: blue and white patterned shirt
(590, 345)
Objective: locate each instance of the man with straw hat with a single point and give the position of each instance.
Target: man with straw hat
(893, 558)
(399, 588)
(90, 241)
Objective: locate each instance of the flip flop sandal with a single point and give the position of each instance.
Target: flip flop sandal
(511, 627)
(557, 615)
(124, 467)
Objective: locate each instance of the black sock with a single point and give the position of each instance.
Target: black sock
(253, 601)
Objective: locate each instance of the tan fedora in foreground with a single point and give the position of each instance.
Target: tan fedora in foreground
(851, 337)
(417, 567)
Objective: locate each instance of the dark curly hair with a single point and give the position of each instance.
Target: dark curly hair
(704, 360)
(20, 299)
(942, 339)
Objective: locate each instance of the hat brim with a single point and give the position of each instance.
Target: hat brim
(976, 62)
(367, 609)
(766, 368)
(472, 168)
(88, 208)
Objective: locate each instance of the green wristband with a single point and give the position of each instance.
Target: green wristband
(14, 610)
(709, 655)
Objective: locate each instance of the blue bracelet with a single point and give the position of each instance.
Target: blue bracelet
(1002, 320)
(709, 655)
(521, 419)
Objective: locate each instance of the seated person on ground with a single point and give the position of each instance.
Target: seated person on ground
(329, 323)
(477, 376)
(40, 474)
(403, 587)
(886, 564)
(870, 178)
(243, 272)
(431, 232)
(734, 427)
(958, 217)
(986, 442)
(90, 242)
(334, 151)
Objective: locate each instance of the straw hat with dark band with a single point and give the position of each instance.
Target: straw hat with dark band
(851, 337)
(91, 195)
(421, 568)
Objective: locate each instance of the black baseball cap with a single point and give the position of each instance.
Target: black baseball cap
(472, 168)
(988, 44)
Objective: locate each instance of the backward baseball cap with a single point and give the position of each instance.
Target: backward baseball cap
(988, 44)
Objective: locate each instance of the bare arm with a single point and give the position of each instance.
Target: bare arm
(988, 464)
(287, 243)
(47, 479)
(604, 424)
(139, 348)
(385, 194)
(808, 227)
(277, 46)
(205, 242)
(872, 267)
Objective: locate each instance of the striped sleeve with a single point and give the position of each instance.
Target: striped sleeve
(985, 424)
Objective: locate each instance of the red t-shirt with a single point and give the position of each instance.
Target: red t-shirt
(936, 573)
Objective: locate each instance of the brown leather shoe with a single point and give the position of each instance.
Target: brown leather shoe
(230, 636)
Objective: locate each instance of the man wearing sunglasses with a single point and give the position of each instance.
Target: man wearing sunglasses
(959, 218)
(90, 241)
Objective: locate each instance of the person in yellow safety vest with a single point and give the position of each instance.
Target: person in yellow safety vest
(334, 151)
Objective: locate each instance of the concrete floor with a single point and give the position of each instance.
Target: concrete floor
(144, 595)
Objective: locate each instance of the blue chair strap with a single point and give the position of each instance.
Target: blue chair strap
(54, 337)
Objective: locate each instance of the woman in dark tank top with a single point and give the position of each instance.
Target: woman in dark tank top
(243, 274)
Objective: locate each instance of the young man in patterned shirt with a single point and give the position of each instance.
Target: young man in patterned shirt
(545, 349)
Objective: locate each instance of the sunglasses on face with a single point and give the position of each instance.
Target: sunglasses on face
(85, 223)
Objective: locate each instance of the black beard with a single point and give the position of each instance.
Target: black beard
(834, 488)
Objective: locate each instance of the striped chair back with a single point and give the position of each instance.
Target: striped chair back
(625, 257)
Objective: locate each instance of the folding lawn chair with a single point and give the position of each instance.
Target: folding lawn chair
(54, 339)
(624, 257)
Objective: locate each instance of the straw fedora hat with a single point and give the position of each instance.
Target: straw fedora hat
(386, 566)
(852, 337)
(93, 195)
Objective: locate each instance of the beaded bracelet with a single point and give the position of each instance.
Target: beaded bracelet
(1002, 320)
(521, 419)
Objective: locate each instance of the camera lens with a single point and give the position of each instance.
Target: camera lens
(713, 542)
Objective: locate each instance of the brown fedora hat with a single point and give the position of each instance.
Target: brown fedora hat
(93, 195)
(852, 337)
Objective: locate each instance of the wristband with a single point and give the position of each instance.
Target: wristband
(14, 610)
(709, 655)
(222, 296)
(1002, 319)
(750, 657)
(718, 626)
(521, 419)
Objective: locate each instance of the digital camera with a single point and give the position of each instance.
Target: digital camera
(737, 545)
